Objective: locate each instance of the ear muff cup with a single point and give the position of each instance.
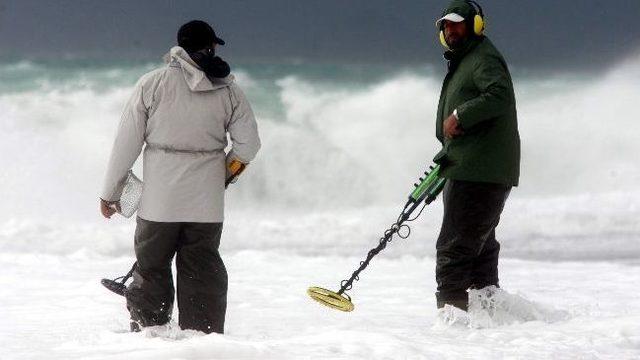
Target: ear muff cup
(478, 25)
(443, 41)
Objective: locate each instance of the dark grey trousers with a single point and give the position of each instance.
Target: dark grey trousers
(467, 249)
(201, 275)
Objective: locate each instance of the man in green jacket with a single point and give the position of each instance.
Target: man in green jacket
(480, 158)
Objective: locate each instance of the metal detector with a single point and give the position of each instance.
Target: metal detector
(425, 191)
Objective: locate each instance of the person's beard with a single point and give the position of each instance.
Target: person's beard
(455, 42)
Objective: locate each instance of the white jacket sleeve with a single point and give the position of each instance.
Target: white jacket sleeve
(242, 128)
(127, 145)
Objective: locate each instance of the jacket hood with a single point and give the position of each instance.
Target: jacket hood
(462, 8)
(193, 75)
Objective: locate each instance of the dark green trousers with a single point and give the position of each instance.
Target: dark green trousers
(467, 249)
(201, 275)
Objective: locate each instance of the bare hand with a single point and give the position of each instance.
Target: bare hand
(108, 208)
(451, 127)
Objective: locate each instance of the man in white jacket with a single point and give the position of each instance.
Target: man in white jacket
(182, 112)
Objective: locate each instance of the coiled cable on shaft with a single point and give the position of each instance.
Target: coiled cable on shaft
(396, 228)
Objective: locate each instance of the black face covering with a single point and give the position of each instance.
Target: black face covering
(211, 64)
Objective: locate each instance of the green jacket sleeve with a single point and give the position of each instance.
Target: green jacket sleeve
(492, 79)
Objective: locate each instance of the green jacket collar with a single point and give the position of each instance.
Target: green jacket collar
(455, 56)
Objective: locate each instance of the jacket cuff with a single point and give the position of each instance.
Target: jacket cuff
(467, 117)
(114, 196)
(115, 193)
(233, 156)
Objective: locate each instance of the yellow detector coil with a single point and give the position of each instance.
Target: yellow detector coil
(331, 299)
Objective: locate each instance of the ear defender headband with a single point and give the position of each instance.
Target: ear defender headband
(478, 23)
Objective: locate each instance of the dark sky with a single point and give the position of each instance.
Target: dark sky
(541, 33)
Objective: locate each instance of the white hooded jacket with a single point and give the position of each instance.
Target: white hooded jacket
(183, 117)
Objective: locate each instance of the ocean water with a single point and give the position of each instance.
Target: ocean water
(342, 145)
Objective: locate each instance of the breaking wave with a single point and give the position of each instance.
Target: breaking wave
(337, 160)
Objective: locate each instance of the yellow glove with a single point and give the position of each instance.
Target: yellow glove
(234, 169)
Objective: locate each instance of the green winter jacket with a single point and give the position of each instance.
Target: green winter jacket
(478, 85)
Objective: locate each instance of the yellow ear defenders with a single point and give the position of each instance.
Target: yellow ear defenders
(478, 18)
(478, 23)
(443, 41)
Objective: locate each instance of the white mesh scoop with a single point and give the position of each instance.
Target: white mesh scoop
(130, 197)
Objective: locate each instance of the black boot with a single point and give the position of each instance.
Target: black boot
(459, 302)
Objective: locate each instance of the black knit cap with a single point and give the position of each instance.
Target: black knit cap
(196, 35)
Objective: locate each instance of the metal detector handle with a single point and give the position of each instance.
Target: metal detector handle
(429, 186)
(435, 190)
